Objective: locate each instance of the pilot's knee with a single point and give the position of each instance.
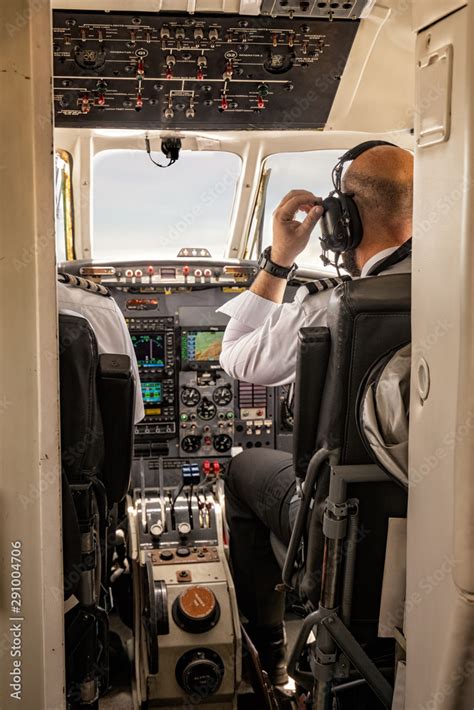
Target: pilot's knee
(237, 472)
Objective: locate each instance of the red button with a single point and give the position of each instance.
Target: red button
(129, 273)
(216, 467)
(206, 467)
(186, 270)
(151, 270)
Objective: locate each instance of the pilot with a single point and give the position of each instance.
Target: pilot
(260, 346)
(81, 297)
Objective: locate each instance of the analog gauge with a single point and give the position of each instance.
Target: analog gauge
(222, 395)
(222, 443)
(190, 396)
(206, 410)
(89, 58)
(191, 444)
(278, 63)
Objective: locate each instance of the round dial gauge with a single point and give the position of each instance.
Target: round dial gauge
(206, 410)
(222, 443)
(190, 396)
(222, 395)
(191, 444)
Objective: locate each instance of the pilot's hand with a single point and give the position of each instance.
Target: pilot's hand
(290, 237)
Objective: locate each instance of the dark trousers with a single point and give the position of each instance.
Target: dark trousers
(259, 487)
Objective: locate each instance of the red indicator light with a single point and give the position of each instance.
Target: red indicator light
(260, 103)
(216, 467)
(206, 467)
(150, 270)
(101, 100)
(200, 75)
(186, 270)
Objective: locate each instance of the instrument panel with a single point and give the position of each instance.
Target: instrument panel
(160, 71)
(195, 413)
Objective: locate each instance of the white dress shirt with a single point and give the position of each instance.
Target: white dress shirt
(260, 342)
(108, 324)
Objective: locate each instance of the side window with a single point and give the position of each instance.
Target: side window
(64, 206)
(309, 170)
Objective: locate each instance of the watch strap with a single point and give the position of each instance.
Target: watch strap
(266, 264)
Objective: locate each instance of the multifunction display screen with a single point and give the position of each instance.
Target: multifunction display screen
(151, 392)
(149, 349)
(201, 345)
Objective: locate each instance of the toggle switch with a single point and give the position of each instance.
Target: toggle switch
(140, 69)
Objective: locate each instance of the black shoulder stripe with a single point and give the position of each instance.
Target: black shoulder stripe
(84, 284)
(326, 284)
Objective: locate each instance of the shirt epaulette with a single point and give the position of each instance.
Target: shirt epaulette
(85, 284)
(326, 284)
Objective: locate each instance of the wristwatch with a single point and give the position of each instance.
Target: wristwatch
(281, 272)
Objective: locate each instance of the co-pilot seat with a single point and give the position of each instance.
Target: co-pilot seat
(336, 555)
(97, 404)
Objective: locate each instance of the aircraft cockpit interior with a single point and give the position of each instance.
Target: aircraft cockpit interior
(236, 387)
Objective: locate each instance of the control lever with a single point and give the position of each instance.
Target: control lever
(143, 496)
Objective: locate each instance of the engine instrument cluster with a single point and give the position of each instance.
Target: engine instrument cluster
(118, 70)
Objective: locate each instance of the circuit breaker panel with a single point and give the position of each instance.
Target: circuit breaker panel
(116, 70)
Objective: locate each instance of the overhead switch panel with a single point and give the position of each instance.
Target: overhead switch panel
(116, 70)
(342, 10)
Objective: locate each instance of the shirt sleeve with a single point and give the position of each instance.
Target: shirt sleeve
(261, 340)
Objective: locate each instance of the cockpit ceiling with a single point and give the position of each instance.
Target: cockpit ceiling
(296, 66)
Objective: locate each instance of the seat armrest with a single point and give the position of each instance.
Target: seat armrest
(116, 390)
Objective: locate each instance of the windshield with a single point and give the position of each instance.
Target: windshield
(143, 212)
(310, 170)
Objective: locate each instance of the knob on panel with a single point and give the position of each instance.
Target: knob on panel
(200, 671)
(196, 610)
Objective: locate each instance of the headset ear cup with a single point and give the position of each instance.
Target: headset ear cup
(355, 231)
(333, 230)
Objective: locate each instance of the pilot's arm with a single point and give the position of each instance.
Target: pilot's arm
(260, 342)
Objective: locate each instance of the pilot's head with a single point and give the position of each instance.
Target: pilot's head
(381, 180)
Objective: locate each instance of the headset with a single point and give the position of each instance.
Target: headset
(341, 225)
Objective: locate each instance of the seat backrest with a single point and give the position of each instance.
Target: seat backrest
(97, 405)
(366, 319)
(82, 434)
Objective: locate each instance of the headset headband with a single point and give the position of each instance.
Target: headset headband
(354, 153)
(350, 155)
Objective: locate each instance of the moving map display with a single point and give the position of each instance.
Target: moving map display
(202, 345)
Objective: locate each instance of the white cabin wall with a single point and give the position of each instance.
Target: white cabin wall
(29, 413)
(440, 586)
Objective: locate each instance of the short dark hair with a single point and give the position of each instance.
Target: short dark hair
(380, 198)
